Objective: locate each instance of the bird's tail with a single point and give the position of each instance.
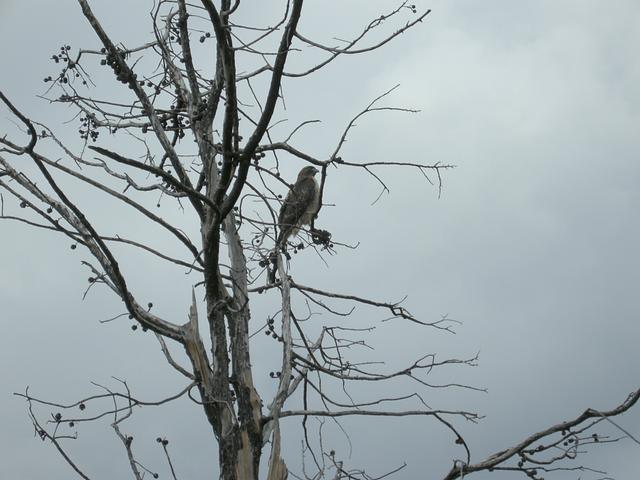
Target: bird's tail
(272, 265)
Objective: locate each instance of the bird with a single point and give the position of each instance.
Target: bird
(300, 206)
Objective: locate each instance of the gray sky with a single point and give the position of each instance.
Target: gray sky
(533, 244)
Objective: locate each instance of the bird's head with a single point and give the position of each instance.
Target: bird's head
(308, 171)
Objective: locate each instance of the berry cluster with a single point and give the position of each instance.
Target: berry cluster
(204, 37)
(70, 70)
(175, 34)
(201, 110)
(175, 122)
(278, 375)
(257, 157)
(322, 237)
(116, 61)
(88, 128)
(271, 330)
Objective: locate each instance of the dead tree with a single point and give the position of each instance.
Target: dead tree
(201, 133)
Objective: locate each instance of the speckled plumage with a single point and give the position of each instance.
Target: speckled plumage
(300, 205)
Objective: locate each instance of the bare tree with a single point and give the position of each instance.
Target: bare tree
(204, 132)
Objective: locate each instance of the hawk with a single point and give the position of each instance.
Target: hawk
(300, 206)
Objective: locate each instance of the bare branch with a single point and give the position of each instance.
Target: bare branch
(499, 458)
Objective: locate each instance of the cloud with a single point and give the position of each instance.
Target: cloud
(533, 243)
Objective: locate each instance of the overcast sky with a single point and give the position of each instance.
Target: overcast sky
(533, 244)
